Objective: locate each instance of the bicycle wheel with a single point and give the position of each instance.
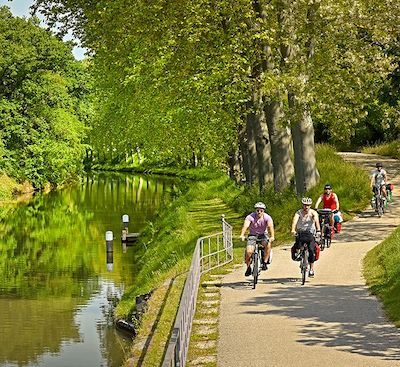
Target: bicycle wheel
(380, 206)
(322, 244)
(322, 240)
(255, 268)
(328, 236)
(304, 266)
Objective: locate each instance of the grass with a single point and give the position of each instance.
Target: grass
(156, 324)
(382, 273)
(391, 149)
(174, 232)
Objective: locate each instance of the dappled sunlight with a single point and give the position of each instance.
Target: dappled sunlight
(340, 316)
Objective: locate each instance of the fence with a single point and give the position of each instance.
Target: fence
(210, 252)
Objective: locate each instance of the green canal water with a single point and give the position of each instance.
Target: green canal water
(57, 291)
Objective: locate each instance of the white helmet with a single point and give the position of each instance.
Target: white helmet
(306, 201)
(260, 205)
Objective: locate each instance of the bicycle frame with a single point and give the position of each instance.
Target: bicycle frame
(257, 259)
(304, 262)
(304, 254)
(379, 202)
(326, 228)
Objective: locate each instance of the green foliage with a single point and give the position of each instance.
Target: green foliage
(175, 79)
(382, 272)
(7, 185)
(42, 103)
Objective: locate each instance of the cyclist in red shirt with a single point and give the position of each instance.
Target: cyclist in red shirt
(331, 201)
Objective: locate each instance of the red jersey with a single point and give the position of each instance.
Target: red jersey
(329, 201)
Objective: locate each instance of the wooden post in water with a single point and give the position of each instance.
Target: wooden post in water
(109, 250)
(125, 224)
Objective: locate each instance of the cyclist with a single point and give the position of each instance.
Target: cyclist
(305, 226)
(330, 201)
(260, 224)
(379, 179)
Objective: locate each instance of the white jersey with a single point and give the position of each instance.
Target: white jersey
(306, 222)
(379, 177)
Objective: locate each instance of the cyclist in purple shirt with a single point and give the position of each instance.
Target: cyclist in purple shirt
(261, 225)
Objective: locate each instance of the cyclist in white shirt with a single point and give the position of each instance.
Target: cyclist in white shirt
(305, 226)
(379, 179)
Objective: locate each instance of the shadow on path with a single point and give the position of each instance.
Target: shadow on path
(327, 309)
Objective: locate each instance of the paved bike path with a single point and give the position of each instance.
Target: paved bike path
(330, 321)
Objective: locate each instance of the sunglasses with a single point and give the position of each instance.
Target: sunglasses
(259, 210)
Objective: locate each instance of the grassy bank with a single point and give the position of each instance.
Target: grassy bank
(167, 244)
(391, 149)
(382, 272)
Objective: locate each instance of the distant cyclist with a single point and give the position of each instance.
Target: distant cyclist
(330, 201)
(305, 226)
(261, 225)
(379, 179)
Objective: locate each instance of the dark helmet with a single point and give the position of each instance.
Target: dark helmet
(328, 186)
(379, 164)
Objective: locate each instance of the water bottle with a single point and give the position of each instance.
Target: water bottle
(373, 203)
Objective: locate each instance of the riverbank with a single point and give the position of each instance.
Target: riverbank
(12, 192)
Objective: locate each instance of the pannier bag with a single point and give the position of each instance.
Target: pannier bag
(389, 187)
(293, 251)
(317, 251)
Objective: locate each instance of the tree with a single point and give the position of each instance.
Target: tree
(187, 72)
(42, 103)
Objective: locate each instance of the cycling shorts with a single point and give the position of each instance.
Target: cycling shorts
(252, 239)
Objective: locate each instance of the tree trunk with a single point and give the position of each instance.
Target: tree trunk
(262, 143)
(280, 141)
(306, 173)
(234, 165)
(252, 173)
(280, 163)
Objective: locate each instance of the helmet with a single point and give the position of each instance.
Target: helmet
(379, 164)
(328, 186)
(260, 205)
(306, 201)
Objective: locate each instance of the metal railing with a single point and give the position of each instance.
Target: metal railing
(210, 252)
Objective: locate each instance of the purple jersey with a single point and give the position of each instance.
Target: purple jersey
(259, 226)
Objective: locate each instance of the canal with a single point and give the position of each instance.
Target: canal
(57, 293)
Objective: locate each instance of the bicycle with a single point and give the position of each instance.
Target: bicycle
(379, 202)
(257, 258)
(303, 257)
(389, 190)
(326, 229)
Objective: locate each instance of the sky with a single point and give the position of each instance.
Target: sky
(20, 8)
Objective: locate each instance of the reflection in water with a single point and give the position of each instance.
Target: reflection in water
(56, 293)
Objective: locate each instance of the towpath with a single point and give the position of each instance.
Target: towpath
(332, 320)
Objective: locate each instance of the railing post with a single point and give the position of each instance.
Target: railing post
(223, 229)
